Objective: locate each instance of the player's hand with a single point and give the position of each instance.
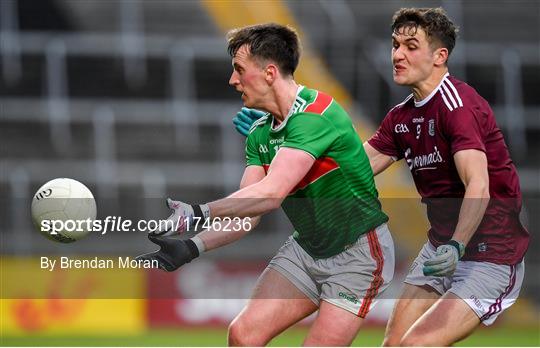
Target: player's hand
(181, 218)
(445, 261)
(178, 221)
(172, 253)
(245, 118)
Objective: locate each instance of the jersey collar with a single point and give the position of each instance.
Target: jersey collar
(298, 103)
(428, 98)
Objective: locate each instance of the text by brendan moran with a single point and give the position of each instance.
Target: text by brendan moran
(64, 262)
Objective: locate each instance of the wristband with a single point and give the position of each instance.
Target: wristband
(459, 246)
(199, 243)
(201, 211)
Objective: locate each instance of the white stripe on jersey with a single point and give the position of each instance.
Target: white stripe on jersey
(326, 108)
(299, 105)
(446, 100)
(406, 99)
(258, 122)
(449, 94)
(456, 94)
(403, 102)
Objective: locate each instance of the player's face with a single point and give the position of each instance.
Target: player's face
(412, 57)
(249, 78)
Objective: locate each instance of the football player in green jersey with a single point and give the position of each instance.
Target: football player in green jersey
(302, 155)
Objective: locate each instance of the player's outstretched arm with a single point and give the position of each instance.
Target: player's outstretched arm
(263, 194)
(378, 161)
(173, 253)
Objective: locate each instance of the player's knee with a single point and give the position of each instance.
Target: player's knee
(236, 334)
(241, 334)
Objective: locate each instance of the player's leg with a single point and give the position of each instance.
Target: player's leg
(412, 304)
(448, 321)
(351, 282)
(480, 292)
(284, 294)
(334, 326)
(275, 305)
(418, 295)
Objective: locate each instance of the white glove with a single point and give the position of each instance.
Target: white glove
(182, 218)
(445, 261)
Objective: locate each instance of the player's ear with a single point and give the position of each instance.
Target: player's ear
(271, 73)
(441, 56)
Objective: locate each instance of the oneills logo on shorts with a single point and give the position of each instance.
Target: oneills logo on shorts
(350, 298)
(477, 302)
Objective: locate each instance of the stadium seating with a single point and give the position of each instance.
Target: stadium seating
(132, 99)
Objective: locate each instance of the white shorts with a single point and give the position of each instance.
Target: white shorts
(352, 279)
(487, 288)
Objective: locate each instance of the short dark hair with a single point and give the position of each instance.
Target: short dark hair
(270, 41)
(440, 30)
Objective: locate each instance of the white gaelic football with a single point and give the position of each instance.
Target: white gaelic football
(59, 205)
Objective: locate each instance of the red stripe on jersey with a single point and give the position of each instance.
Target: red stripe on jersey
(321, 102)
(376, 254)
(321, 167)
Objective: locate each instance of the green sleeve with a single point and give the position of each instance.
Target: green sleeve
(252, 153)
(312, 133)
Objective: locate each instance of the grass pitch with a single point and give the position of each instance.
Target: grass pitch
(501, 337)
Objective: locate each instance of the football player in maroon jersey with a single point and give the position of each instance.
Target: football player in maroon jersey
(471, 268)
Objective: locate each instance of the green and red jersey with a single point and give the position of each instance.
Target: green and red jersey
(336, 202)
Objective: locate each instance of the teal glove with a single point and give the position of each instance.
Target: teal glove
(245, 118)
(445, 261)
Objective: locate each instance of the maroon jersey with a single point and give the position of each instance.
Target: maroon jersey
(427, 134)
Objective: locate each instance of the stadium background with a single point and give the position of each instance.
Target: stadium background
(131, 98)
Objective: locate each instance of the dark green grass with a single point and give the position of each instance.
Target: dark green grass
(217, 337)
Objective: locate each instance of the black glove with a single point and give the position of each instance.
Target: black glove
(172, 252)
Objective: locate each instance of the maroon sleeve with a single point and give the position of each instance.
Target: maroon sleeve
(383, 140)
(465, 128)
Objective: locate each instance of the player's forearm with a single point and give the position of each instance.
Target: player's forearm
(472, 210)
(378, 161)
(243, 207)
(254, 200)
(379, 165)
(228, 233)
